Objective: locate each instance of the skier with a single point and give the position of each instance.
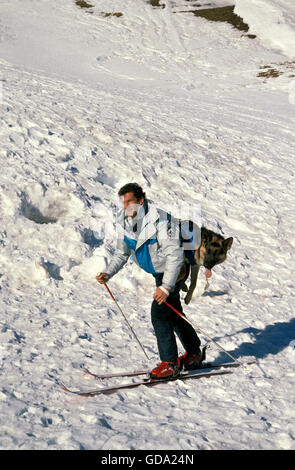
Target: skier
(154, 243)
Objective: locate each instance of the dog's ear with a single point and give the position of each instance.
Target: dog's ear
(205, 233)
(228, 243)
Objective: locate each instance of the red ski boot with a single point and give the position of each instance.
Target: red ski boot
(191, 361)
(165, 370)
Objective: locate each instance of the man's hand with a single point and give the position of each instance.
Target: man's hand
(102, 278)
(160, 296)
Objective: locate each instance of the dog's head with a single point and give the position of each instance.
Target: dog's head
(213, 248)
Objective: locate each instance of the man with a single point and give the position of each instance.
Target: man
(147, 234)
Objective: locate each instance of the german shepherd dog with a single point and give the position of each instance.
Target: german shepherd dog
(212, 251)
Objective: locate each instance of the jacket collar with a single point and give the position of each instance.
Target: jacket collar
(148, 226)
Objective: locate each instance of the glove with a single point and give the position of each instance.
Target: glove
(102, 278)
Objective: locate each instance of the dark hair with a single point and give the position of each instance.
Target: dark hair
(132, 188)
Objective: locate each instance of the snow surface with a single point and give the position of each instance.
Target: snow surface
(175, 102)
(272, 20)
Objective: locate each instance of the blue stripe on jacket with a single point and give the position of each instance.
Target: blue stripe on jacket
(142, 254)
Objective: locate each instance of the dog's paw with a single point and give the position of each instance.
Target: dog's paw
(187, 299)
(184, 288)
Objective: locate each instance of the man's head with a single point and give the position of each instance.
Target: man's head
(132, 197)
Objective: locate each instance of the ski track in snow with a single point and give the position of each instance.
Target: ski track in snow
(193, 126)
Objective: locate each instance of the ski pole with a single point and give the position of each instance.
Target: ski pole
(203, 333)
(125, 318)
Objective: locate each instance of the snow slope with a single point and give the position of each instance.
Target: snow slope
(172, 101)
(272, 20)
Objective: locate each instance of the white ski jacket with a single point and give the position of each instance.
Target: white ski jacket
(153, 242)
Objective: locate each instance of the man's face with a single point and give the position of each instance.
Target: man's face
(131, 204)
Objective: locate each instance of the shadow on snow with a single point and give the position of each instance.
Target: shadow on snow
(270, 340)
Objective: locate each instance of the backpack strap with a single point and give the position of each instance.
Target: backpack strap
(189, 254)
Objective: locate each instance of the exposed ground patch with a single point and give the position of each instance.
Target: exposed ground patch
(83, 4)
(156, 3)
(276, 70)
(89, 8)
(222, 14)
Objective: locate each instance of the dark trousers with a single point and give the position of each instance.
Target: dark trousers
(166, 323)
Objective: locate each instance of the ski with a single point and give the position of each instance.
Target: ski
(147, 383)
(204, 365)
(115, 374)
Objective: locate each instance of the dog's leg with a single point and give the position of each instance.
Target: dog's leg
(194, 277)
(186, 268)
